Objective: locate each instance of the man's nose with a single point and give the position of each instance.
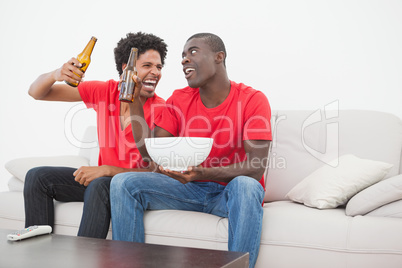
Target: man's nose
(184, 60)
(155, 70)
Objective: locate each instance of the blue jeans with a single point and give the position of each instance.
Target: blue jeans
(240, 201)
(43, 184)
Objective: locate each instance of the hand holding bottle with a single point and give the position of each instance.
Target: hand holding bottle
(70, 72)
(126, 85)
(83, 59)
(137, 87)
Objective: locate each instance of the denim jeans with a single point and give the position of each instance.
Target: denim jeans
(240, 201)
(43, 184)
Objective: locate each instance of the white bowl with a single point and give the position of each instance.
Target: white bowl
(178, 153)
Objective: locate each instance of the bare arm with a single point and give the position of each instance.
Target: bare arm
(254, 166)
(86, 174)
(139, 126)
(44, 87)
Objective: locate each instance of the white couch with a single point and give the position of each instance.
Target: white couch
(294, 234)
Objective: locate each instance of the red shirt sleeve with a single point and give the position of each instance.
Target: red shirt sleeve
(92, 92)
(153, 109)
(257, 113)
(169, 119)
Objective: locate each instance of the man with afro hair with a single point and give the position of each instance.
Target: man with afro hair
(118, 151)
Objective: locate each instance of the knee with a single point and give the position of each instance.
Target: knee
(33, 180)
(245, 182)
(131, 182)
(33, 176)
(98, 191)
(33, 173)
(119, 187)
(247, 187)
(100, 183)
(117, 181)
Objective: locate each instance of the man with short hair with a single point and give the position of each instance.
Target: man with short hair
(237, 117)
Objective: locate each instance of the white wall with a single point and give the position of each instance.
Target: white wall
(302, 54)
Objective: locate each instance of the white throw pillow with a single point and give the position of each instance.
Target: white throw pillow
(20, 166)
(330, 187)
(375, 196)
(392, 210)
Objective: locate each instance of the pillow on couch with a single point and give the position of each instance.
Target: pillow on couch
(375, 196)
(20, 166)
(330, 187)
(392, 210)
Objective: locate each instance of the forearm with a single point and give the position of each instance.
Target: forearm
(139, 127)
(253, 166)
(42, 85)
(227, 173)
(110, 171)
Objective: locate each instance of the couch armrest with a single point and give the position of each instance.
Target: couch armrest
(20, 166)
(15, 185)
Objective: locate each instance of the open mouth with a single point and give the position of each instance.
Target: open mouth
(188, 72)
(149, 84)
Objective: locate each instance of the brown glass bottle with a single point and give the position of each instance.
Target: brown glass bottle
(127, 83)
(85, 58)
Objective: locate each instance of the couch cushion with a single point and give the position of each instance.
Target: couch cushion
(199, 230)
(295, 235)
(294, 225)
(20, 166)
(375, 196)
(289, 223)
(15, 184)
(333, 185)
(392, 210)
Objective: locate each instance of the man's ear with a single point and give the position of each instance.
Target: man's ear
(220, 57)
(123, 66)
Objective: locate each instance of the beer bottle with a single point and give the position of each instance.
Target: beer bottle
(85, 58)
(127, 84)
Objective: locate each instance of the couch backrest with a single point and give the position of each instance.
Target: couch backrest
(89, 146)
(306, 140)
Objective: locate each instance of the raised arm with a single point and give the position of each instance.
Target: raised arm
(139, 126)
(44, 87)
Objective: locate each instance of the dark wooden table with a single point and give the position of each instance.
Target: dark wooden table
(70, 251)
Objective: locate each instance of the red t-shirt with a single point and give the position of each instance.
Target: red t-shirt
(244, 115)
(117, 146)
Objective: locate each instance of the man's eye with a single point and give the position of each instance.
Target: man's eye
(193, 51)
